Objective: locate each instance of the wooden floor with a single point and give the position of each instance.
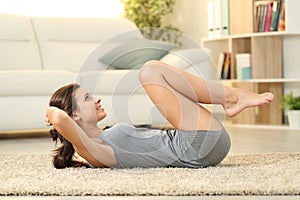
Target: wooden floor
(244, 140)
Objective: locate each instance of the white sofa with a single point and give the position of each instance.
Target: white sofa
(40, 54)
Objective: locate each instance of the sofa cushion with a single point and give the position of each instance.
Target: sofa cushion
(18, 46)
(33, 82)
(134, 52)
(65, 42)
(66, 56)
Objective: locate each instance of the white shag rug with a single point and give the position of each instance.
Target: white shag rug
(238, 174)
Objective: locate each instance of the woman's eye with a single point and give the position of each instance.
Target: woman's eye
(87, 97)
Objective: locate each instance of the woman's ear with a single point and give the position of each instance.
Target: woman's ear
(75, 116)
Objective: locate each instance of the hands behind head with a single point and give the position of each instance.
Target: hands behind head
(49, 113)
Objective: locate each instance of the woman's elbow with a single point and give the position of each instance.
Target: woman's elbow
(59, 118)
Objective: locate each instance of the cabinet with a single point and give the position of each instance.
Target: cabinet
(274, 61)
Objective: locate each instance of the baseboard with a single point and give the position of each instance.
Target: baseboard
(11, 134)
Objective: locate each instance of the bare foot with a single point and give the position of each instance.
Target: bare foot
(237, 100)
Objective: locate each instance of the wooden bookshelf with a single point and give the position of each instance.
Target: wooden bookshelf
(273, 58)
(267, 58)
(243, 23)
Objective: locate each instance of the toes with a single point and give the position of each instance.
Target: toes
(268, 96)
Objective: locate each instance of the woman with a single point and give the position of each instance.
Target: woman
(198, 140)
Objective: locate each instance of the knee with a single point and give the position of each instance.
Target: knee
(155, 62)
(149, 70)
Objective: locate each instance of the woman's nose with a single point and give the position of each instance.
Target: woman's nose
(97, 100)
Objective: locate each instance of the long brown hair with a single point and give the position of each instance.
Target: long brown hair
(63, 155)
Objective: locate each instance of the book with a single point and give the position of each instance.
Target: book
(218, 18)
(220, 63)
(226, 66)
(274, 16)
(258, 16)
(282, 18)
(210, 12)
(268, 17)
(262, 18)
(225, 17)
(279, 15)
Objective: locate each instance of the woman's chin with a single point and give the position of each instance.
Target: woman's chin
(102, 116)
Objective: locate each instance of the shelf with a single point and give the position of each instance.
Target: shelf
(258, 34)
(216, 38)
(274, 80)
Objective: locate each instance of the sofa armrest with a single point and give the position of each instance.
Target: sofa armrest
(184, 58)
(195, 60)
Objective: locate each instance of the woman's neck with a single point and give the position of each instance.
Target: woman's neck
(91, 131)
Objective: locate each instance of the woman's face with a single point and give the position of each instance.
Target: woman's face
(89, 109)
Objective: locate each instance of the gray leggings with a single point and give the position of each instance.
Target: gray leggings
(212, 146)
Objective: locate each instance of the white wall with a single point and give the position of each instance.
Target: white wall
(291, 68)
(190, 16)
(78, 8)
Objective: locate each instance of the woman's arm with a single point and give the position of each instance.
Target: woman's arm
(94, 152)
(64, 124)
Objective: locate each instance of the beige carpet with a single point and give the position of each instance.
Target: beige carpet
(239, 174)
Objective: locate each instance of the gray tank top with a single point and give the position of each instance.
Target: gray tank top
(142, 147)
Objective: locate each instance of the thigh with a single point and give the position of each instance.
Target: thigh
(213, 146)
(179, 110)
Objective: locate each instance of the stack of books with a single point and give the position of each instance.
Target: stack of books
(218, 18)
(243, 66)
(270, 16)
(224, 65)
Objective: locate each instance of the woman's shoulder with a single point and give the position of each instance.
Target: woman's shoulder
(119, 126)
(123, 125)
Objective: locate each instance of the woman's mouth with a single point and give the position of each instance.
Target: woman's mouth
(100, 108)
